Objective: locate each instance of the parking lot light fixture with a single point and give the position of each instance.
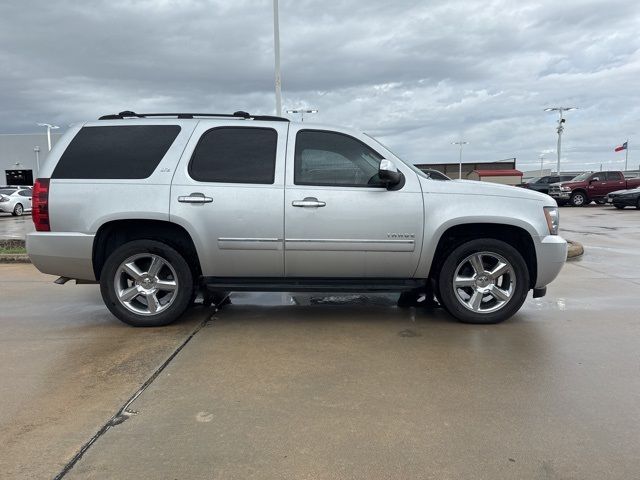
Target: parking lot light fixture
(49, 128)
(460, 143)
(302, 111)
(560, 129)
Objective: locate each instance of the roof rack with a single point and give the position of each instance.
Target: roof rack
(238, 114)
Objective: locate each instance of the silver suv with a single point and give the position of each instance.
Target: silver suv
(155, 207)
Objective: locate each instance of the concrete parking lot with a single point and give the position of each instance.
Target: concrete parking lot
(306, 387)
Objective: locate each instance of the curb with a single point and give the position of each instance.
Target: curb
(14, 258)
(575, 250)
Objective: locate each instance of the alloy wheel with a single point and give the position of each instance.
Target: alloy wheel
(484, 282)
(146, 284)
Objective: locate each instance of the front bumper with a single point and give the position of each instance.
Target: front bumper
(623, 200)
(552, 255)
(560, 195)
(67, 254)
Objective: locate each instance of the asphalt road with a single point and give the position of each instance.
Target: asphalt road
(280, 387)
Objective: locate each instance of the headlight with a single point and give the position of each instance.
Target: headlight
(553, 219)
(565, 189)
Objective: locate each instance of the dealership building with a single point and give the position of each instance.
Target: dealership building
(21, 156)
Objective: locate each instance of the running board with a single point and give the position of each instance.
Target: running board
(303, 284)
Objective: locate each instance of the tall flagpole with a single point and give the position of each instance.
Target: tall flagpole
(626, 155)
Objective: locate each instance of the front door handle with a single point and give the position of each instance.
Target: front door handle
(195, 197)
(308, 202)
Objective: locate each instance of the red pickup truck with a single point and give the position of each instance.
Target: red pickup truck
(590, 186)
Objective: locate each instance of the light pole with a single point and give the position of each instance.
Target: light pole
(36, 149)
(460, 143)
(560, 128)
(276, 48)
(49, 128)
(302, 111)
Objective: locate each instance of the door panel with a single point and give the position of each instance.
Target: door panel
(355, 231)
(240, 231)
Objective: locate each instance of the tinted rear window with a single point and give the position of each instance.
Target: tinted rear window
(235, 155)
(127, 152)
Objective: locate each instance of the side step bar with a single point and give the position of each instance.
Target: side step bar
(303, 284)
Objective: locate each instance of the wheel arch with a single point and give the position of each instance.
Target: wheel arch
(455, 235)
(112, 234)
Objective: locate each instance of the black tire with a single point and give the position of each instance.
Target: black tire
(449, 297)
(175, 261)
(600, 201)
(618, 206)
(638, 204)
(579, 199)
(18, 210)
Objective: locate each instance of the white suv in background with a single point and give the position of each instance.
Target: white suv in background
(157, 206)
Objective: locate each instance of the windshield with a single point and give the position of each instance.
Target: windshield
(7, 191)
(582, 176)
(533, 180)
(410, 165)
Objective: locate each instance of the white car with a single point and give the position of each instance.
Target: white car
(15, 200)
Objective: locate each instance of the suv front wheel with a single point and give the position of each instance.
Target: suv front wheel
(483, 281)
(146, 283)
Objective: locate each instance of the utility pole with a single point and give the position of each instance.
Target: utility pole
(541, 162)
(49, 128)
(460, 143)
(276, 47)
(36, 149)
(560, 128)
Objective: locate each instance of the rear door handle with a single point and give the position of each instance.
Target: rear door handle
(308, 202)
(195, 197)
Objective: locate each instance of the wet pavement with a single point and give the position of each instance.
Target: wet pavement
(317, 386)
(15, 227)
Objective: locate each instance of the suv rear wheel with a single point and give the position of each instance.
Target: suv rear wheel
(146, 283)
(483, 281)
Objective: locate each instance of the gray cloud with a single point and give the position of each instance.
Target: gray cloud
(417, 74)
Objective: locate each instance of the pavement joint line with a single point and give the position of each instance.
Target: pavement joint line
(124, 412)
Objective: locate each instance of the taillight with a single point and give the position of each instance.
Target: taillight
(40, 205)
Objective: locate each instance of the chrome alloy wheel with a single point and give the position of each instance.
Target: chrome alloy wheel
(146, 284)
(484, 282)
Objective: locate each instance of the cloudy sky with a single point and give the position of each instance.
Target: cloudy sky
(416, 74)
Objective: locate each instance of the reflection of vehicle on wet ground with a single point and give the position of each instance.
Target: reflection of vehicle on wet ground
(156, 208)
(625, 198)
(590, 186)
(15, 200)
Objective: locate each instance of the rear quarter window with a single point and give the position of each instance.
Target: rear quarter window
(110, 152)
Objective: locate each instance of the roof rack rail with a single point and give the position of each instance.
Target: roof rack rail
(238, 114)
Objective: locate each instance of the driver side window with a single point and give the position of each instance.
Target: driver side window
(334, 159)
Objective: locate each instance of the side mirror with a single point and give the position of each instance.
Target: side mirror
(388, 173)
(594, 179)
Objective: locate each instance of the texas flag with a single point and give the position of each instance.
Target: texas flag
(619, 148)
